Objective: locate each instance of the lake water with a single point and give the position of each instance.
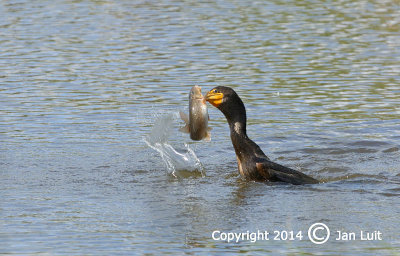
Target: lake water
(84, 85)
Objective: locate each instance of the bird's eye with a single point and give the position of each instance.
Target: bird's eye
(215, 91)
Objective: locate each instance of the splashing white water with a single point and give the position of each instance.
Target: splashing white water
(177, 161)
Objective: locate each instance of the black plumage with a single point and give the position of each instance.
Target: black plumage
(253, 164)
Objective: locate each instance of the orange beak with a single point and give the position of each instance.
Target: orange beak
(215, 98)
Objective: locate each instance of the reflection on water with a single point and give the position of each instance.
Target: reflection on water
(81, 83)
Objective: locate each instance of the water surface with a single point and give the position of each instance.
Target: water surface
(83, 82)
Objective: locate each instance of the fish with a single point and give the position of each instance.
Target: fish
(197, 121)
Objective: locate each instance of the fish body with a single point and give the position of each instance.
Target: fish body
(197, 122)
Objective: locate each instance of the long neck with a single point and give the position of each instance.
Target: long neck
(236, 117)
(237, 125)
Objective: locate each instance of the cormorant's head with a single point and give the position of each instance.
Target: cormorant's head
(230, 104)
(221, 95)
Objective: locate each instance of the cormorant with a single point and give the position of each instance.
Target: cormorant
(253, 164)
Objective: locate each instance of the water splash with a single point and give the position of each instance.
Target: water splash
(179, 162)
